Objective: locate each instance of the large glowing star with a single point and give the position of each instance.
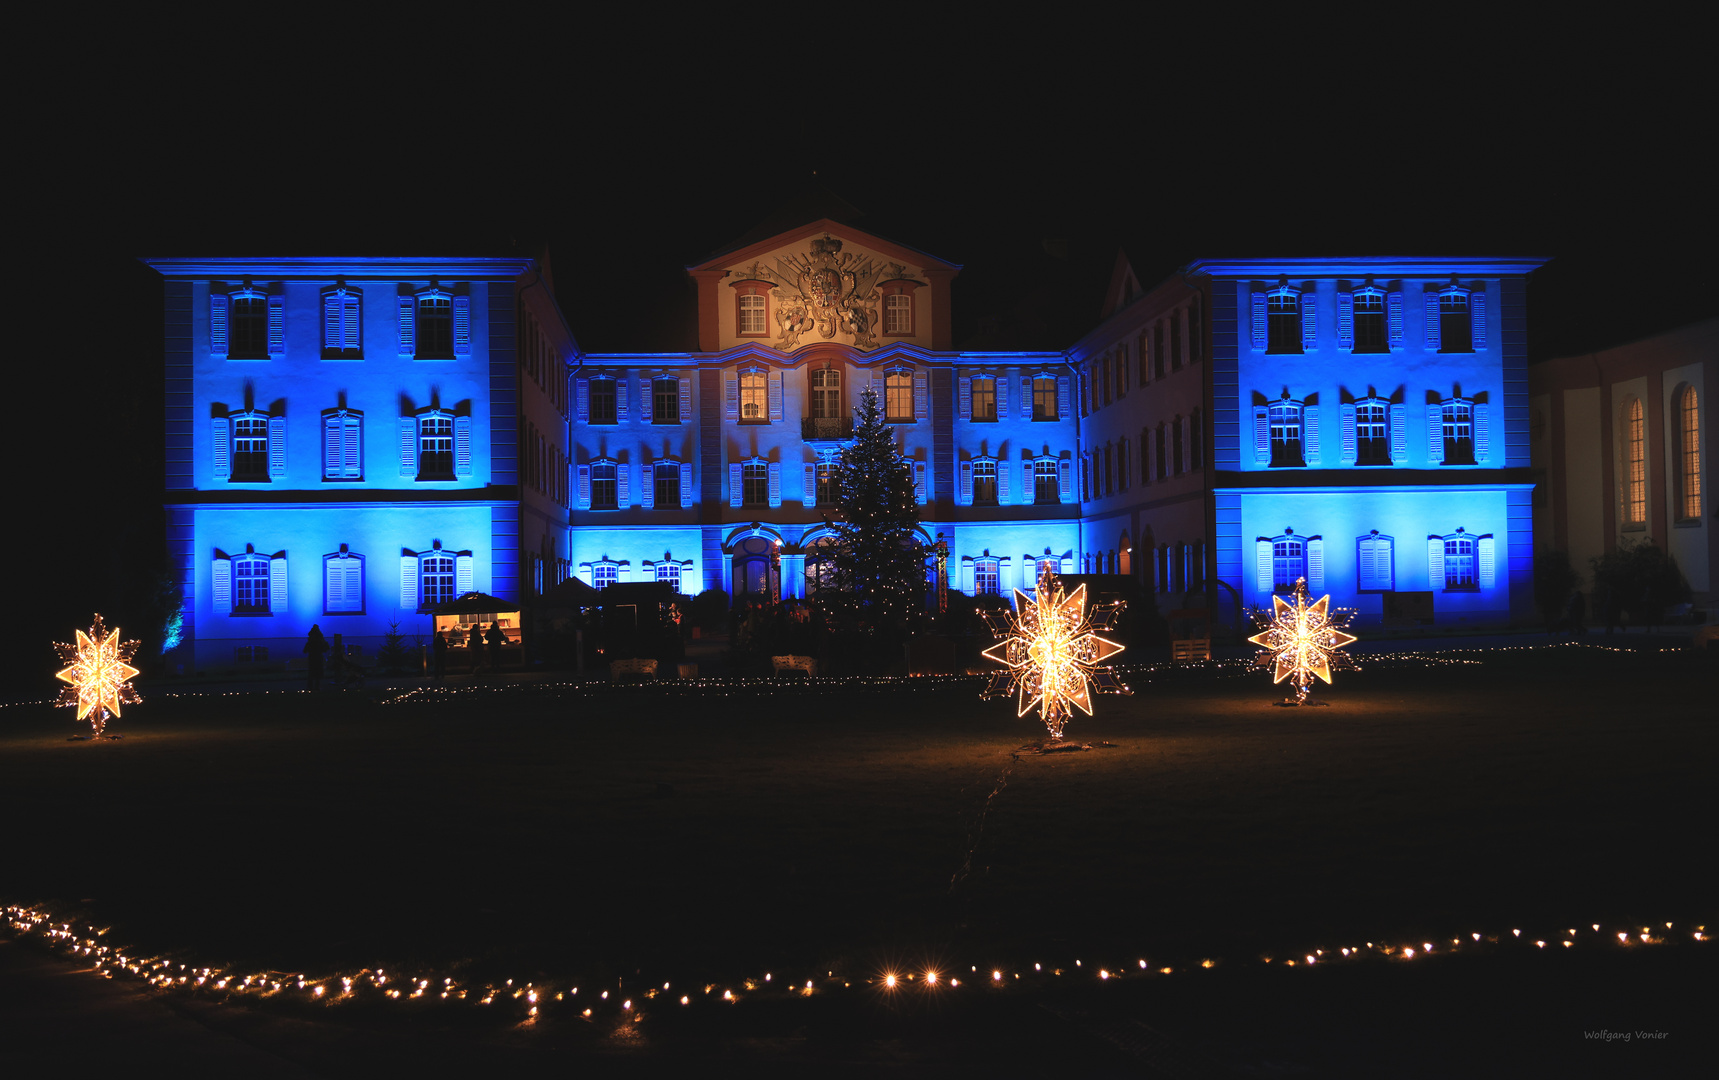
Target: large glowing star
(1302, 640)
(98, 674)
(1050, 652)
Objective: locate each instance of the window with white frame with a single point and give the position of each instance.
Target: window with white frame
(1375, 563)
(1045, 398)
(984, 482)
(1372, 431)
(1368, 312)
(343, 444)
(1686, 412)
(1288, 562)
(1283, 321)
(754, 398)
(987, 578)
(751, 308)
(605, 574)
(435, 578)
(755, 481)
(665, 484)
(826, 387)
(1455, 328)
(752, 314)
(342, 329)
(343, 583)
(1458, 423)
(250, 448)
(435, 446)
(898, 397)
(984, 398)
(602, 400)
(669, 572)
(1047, 489)
(898, 313)
(665, 400)
(435, 326)
(1285, 419)
(1460, 569)
(605, 486)
(251, 584)
(249, 334)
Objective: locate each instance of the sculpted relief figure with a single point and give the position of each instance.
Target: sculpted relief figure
(829, 290)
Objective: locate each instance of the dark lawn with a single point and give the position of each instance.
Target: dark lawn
(525, 830)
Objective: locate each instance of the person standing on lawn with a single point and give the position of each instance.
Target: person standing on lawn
(314, 648)
(496, 640)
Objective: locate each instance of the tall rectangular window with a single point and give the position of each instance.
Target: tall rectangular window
(604, 495)
(898, 314)
(665, 401)
(251, 449)
(1285, 433)
(1288, 562)
(755, 477)
(826, 483)
(986, 579)
(1459, 563)
(898, 398)
(827, 394)
(1045, 486)
(1688, 415)
(984, 400)
(1372, 431)
(1458, 433)
(669, 572)
(984, 483)
(1635, 464)
(1373, 561)
(1369, 314)
(251, 585)
(1044, 399)
(602, 401)
(604, 574)
(665, 486)
(752, 314)
(249, 329)
(435, 328)
(1283, 322)
(754, 402)
(435, 447)
(1454, 328)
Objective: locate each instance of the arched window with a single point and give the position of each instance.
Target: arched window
(1635, 465)
(1282, 560)
(987, 579)
(1462, 561)
(1285, 421)
(251, 448)
(1372, 429)
(1687, 413)
(250, 584)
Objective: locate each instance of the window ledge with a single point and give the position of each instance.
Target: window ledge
(666, 423)
(250, 614)
(1687, 523)
(1633, 526)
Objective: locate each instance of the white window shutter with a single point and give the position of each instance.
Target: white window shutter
(967, 576)
(1348, 452)
(775, 385)
(623, 485)
(965, 389)
(582, 400)
(1482, 433)
(1259, 336)
(1065, 479)
(409, 446)
(623, 572)
(334, 584)
(1316, 564)
(584, 492)
(735, 487)
(220, 305)
(277, 325)
(1435, 562)
(1002, 397)
(1262, 434)
(620, 385)
(1262, 565)
(919, 492)
(967, 483)
(1484, 555)
(221, 585)
(333, 432)
(1310, 435)
(648, 484)
(1399, 434)
(221, 442)
(1435, 433)
(731, 399)
(330, 320)
(1345, 321)
(685, 484)
(1026, 397)
(462, 575)
(1005, 578)
(278, 584)
(585, 572)
(462, 446)
(1309, 321)
(645, 403)
(462, 325)
(809, 494)
(686, 401)
(1064, 406)
(1394, 319)
(1432, 327)
(277, 447)
(1366, 563)
(774, 472)
(349, 312)
(1029, 482)
(1003, 471)
(1065, 564)
(409, 582)
(921, 397)
(1477, 318)
(408, 328)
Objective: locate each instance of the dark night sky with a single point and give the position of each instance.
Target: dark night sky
(633, 156)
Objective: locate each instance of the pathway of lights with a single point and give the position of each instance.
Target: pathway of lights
(1302, 640)
(1051, 651)
(98, 674)
(527, 1002)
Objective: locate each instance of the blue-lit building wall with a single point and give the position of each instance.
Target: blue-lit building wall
(1412, 494)
(302, 445)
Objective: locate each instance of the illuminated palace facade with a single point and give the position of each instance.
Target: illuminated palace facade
(713, 469)
(1360, 422)
(351, 439)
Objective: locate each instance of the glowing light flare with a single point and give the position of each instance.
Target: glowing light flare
(1300, 641)
(1051, 652)
(97, 674)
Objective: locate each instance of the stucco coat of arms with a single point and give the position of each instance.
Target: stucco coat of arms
(829, 290)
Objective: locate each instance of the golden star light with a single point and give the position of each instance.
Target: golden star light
(1050, 652)
(1302, 640)
(98, 674)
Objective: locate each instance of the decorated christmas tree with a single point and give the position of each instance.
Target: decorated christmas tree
(878, 560)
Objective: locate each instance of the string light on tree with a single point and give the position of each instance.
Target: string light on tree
(1302, 640)
(1051, 652)
(98, 675)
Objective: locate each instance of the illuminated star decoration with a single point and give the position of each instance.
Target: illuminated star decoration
(97, 673)
(1302, 640)
(1050, 652)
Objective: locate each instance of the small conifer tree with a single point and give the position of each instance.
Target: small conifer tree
(878, 561)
